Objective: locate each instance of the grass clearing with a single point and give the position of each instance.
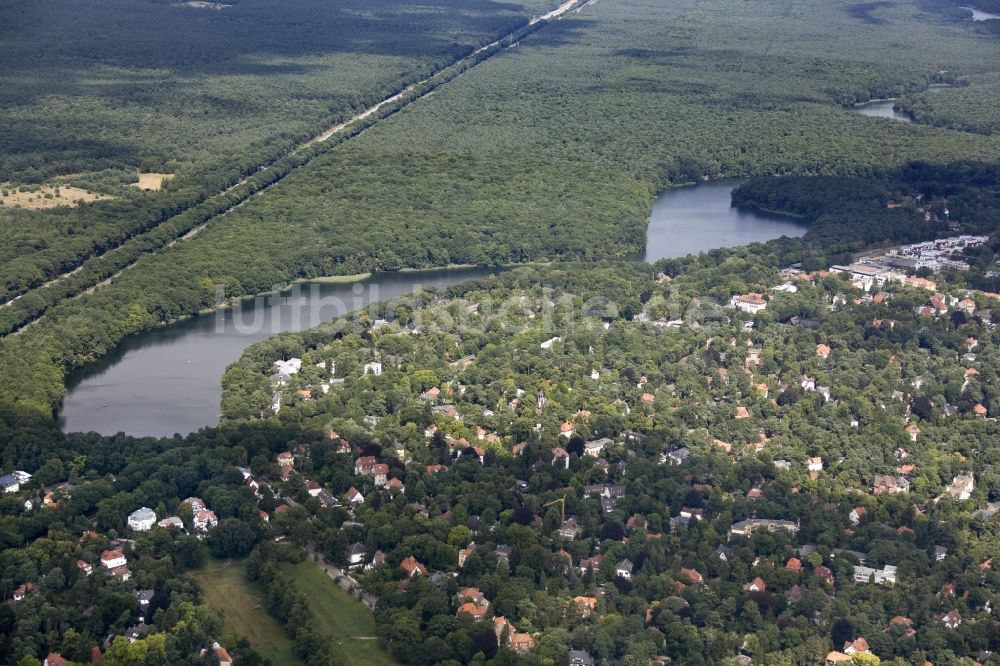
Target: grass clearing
(242, 604)
(347, 622)
(47, 196)
(152, 181)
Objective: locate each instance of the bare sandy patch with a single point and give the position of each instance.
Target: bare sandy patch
(48, 196)
(152, 181)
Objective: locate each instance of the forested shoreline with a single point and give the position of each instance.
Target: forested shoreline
(764, 455)
(504, 195)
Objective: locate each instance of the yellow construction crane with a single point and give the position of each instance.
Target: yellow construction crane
(562, 508)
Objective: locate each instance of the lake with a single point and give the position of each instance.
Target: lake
(167, 380)
(883, 109)
(689, 220)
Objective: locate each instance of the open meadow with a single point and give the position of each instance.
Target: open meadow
(241, 603)
(346, 621)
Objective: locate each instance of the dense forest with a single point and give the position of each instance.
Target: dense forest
(967, 107)
(222, 121)
(560, 459)
(168, 85)
(553, 149)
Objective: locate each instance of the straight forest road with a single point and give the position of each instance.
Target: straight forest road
(400, 101)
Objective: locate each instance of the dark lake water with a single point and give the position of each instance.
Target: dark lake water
(167, 380)
(883, 109)
(689, 220)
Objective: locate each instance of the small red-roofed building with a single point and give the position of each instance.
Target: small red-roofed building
(475, 611)
(223, 655)
(585, 604)
(113, 558)
(465, 553)
(857, 646)
(824, 574)
(951, 620)
(521, 643)
(692, 575)
(903, 625)
(354, 496)
(411, 567)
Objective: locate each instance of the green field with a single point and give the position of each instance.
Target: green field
(348, 623)
(242, 604)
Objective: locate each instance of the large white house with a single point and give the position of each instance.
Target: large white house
(9, 483)
(289, 367)
(142, 519)
(884, 576)
(751, 303)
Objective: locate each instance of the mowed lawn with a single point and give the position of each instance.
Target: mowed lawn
(346, 620)
(242, 604)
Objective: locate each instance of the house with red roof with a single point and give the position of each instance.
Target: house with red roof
(857, 646)
(411, 567)
(521, 643)
(113, 558)
(223, 655)
(364, 465)
(476, 612)
(692, 575)
(354, 496)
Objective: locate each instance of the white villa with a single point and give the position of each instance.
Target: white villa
(142, 519)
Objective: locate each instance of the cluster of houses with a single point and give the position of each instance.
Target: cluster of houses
(379, 473)
(11, 483)
(936, 255)
(114, 562)
(892, 265)
(203, 519)
(286, 369)
(864, 275)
